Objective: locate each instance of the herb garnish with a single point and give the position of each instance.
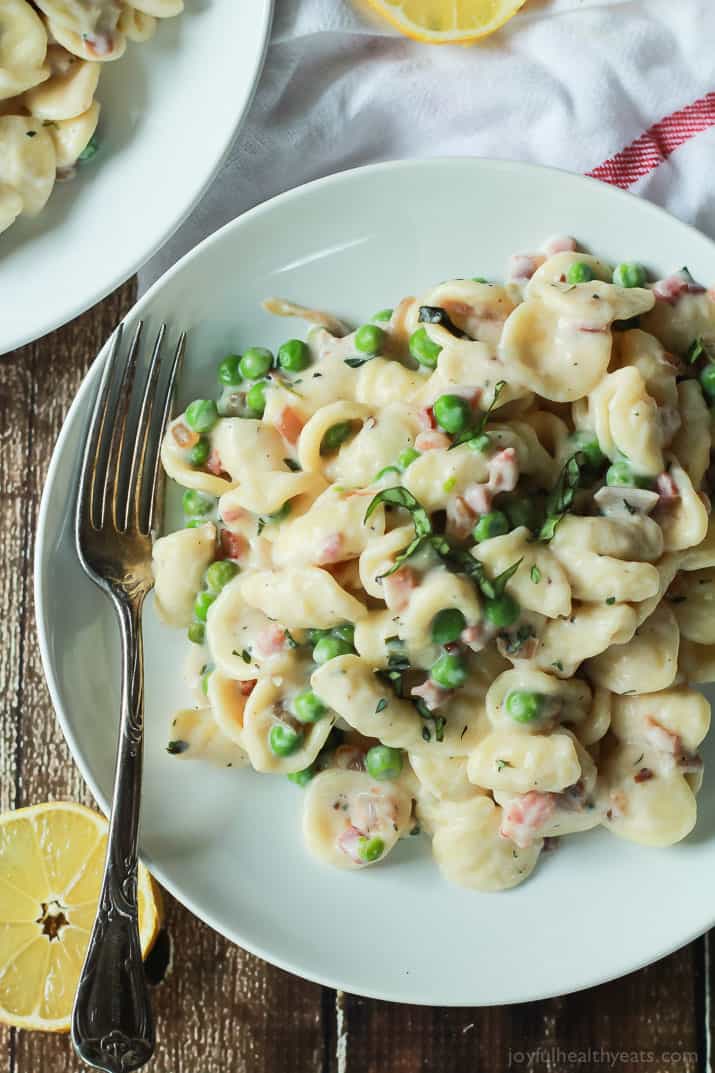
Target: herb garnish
(501, 764)
(514, 642)
(400, 497)
(355, 363)
(610, 600)
(292, 464)
(478, 429)
(177, 747)
(437, 315)
(561, 497)
(381, 705)
(290, 639)
(438, 722)
(535, 574)
(558, 665)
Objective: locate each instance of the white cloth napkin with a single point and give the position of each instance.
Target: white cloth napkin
(570, 83)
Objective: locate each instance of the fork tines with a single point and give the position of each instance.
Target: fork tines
(119, 477)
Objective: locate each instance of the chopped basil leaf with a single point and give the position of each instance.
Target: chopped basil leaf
(381, 705)
(437, 315)
(260, 526)
(514, 642)
(501, 764)
(478, 429)
(292, 464)
(535, 574)
(400, 497)
(561, 497)
(355, 363)
(610, 600)
(177, 747)
(558, 665)
(290, 639)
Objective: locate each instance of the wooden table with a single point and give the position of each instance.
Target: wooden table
(220, 1010)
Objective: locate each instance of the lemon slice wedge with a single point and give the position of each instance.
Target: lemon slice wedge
(51, 863)
(441, 22)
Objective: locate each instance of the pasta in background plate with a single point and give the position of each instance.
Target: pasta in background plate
(50, 63)
(453, 572)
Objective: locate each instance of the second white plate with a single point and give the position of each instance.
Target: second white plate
(228, 843)
(170, 110)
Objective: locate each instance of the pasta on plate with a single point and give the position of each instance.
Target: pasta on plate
(51, 56)
(454, 571)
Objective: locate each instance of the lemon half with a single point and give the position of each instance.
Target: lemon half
(441, 22)
(51, 864)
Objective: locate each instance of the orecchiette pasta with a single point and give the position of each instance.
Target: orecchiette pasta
(50, 61)
(451, 571)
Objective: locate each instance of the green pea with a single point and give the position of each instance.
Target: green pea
(199, 453)
(382, 762)
(383, 315)
(493, 524)
(294, 356)
(587, 443)
(452, 413)
(219, 574)
(228, 371)
(370, 849)
(480, 443)
(196, 503)
(301, 778)
(579, 272)
(447, 625)
(256, 397)
(308, 708)
(194, 523)
(315, 635)
(345, 633)
(369, 339)
(449, 671)
(707, 380)
(202, 603)
(630, 274)
(524, 706)
(197, 633)
(201, 415)
(620, 475)
(408, 456)
(336, 435)
(502, 611)
(423, 349)
(284, 740)
(330, 647)
(255, 363)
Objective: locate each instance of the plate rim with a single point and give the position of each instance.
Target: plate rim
(42, 541)
(121, 275)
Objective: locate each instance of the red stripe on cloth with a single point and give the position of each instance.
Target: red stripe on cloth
(657, 144)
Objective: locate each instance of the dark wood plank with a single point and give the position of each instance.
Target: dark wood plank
(648, 1021)
(218, 1009)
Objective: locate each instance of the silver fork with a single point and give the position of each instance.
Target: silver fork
(118, 506)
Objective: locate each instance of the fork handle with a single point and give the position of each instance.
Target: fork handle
(112, 1023)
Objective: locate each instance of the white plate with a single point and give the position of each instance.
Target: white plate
(227, 843)
(170, 110)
